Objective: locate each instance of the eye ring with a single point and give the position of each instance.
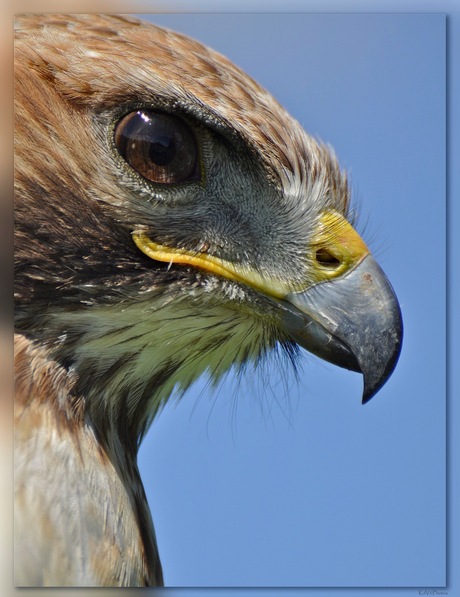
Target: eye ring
(161, 147)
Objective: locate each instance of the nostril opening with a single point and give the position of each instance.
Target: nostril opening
(326, 259)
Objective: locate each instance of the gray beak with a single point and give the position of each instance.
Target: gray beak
(353, 321)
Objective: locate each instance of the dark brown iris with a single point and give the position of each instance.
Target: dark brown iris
(159, 146)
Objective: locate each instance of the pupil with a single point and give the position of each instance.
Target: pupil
(162, 150)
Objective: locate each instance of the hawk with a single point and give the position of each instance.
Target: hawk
(171, 220)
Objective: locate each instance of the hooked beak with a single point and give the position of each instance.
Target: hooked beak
(353, 321)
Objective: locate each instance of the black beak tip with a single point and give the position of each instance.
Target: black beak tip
(367, 396)
(375, 380)
(369, 393)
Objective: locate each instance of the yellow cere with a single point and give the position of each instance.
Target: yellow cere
(335, 248)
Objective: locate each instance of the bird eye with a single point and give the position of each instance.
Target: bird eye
(159, 146)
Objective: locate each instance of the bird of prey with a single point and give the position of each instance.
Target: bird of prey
(171, 220)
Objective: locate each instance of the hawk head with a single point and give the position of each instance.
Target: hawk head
(173, 219)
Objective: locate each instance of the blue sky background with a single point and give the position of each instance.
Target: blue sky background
(273, 482)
